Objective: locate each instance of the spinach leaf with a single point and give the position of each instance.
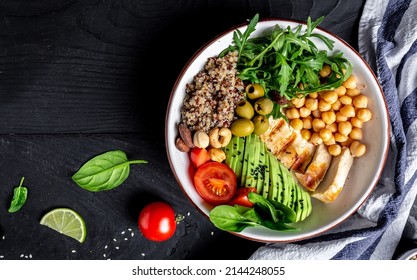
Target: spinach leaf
(20, 194)
(105, 171)
(264, 213)
(227, 217)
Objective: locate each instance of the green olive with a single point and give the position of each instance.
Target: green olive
(244, 109)
(242, 127)
(254, 91)
(264, 106)
(261, 124)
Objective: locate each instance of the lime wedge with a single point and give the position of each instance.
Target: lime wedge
(67, 222)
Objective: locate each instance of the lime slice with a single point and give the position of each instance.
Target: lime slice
(65, 221)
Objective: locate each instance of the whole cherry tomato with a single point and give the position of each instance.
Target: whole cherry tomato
(157, 221)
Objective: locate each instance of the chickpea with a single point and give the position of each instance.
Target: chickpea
(344, 128)
(297, 124)
(311, 104)
(316, 114)
(324, 106)
(350, 82)
(304, 112)
(339, 137)
(316, 139)
(364, 114)
(352, 92)
(347, 111)
(340, 91)
(332, 127)
(337, 105)
(318, 124)
(313, 95)
(340, 117)
(328, 117)
(298, 102)
(357, 149)
(360, 101)
(292, 113)
(356, 122)
(330, 96)
(325, 134)
(331, 141)
(325, 71)
(334, 150)
(306, 134)
(307, 122)
(345, 100)
(356, 133)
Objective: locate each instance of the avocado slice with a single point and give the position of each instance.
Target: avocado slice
(267, 179)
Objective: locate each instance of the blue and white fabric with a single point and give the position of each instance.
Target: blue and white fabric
(388, 41)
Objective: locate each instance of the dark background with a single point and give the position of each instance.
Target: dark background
(79, 78)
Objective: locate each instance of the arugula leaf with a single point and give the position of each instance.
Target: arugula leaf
(19, 197)
(105, 171)
(285, 58)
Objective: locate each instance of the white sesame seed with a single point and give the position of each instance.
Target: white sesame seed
(22, 255)
(105, 247)
(104, 255)
(123, 232)
(212, 233)
(188, 213)
(26, 257)
(108, 259)
(30, 255)
(132, 234)
(74, 251)
(117, 248)
(125, 238)
(114, 239)
(1, 257)
(143, 254)
(129, 229)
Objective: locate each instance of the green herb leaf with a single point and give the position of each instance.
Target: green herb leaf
(19, 197)
(105, 171)
(226, 217)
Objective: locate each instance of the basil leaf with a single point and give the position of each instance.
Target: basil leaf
(104, 172)
(20, 194)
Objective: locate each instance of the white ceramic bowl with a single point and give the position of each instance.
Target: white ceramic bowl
(409, 254)
(363, 175)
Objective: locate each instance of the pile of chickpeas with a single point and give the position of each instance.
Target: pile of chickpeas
(333, 117)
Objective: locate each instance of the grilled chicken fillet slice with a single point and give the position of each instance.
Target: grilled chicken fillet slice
(335, 178)
(317, 169)
(287, 145)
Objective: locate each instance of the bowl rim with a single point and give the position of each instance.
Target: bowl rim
(347, 45)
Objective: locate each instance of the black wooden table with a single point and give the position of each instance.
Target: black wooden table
(79, 78)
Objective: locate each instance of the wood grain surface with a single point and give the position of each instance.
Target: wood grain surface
(78, 78)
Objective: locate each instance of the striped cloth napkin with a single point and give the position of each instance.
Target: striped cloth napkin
(388, 41)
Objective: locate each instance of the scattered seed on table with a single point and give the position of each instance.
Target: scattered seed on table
(114, 239)
(143, 254)
(30, 256)
(22, 255)
(1, 257)
(123, 232)
(117, 248)
(129, 229)
(132, 234)
(74, 251)
(105, 247)
(104, 255)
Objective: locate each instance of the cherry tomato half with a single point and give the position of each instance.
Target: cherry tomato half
(241, 197)
(199, 156)
(157, 221)
(215, 182)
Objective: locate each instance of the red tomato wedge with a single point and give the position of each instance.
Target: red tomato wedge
(241, 197)
(199, 156)
(215, 182)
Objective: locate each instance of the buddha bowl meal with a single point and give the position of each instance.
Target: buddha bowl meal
(277, 130)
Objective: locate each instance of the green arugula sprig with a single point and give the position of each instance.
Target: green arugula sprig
(287, 60)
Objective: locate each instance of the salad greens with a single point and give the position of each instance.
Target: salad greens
(20, 194)
(287, 61)
(105, 171)
(272, 215)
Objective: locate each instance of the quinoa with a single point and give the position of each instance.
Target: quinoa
(212, 96)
